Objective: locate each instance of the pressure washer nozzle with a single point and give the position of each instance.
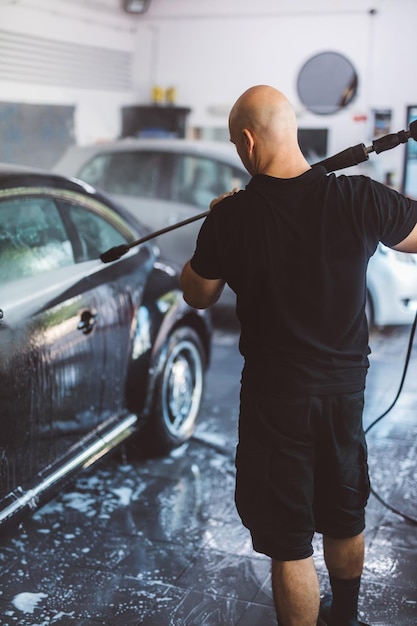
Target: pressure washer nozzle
(114, 253)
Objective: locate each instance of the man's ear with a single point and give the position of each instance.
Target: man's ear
(249, 141)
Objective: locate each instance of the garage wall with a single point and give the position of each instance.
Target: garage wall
(210, 51)
(75, 53)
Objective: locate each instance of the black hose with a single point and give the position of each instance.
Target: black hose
(408, 518)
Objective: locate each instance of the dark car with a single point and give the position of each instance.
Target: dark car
(90, 353)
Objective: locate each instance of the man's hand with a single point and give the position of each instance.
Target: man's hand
(222, 197)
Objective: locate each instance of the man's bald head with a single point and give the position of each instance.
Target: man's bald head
(265, 110)
(264, 116)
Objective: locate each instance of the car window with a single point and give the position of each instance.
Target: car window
(142, 174)
(96, 234)
(93, 171)
(197, 180)
(33, 239)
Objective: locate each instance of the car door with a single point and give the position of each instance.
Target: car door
(57, 304)
(118, 287)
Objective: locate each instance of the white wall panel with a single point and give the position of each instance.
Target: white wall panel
(211, 50)
(31, 59)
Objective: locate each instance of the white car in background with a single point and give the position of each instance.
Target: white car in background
(162, 182)
(165, 181)
(392, 287)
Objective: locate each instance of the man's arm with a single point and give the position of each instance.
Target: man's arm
(200, 292)
(409, 244)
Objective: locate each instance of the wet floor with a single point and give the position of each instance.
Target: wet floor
(158, 542)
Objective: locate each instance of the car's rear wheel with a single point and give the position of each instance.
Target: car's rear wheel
(178, 392)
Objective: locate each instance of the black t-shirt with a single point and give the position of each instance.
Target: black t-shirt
(295, 251)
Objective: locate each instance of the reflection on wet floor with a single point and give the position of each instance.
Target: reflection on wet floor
(158, 542)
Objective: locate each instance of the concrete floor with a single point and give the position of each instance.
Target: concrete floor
(159, 542)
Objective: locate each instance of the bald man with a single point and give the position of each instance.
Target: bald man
(294, 247)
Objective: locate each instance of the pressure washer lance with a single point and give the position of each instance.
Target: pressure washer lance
(347, 158)
(115, 253)
(360, 153)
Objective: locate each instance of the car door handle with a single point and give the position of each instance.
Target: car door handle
(87, 321)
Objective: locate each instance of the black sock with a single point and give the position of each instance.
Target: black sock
(344, 611)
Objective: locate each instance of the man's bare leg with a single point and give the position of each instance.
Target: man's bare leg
(344, 557)
(296, 592)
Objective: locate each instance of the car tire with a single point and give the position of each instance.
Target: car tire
(178, 393)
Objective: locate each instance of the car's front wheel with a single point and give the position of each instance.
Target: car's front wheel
(178, 391)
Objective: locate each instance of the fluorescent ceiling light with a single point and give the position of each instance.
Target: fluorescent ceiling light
(136, 6)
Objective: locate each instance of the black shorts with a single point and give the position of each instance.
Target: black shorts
(301, 468)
